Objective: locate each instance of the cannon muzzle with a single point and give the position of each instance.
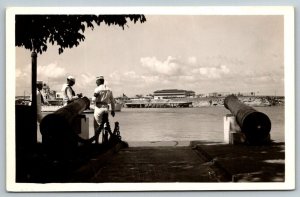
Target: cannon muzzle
(254, 124)
(58, 136)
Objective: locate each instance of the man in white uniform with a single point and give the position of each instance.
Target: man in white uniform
(102, 97)
(68, 92)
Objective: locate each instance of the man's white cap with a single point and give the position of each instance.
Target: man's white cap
(100, 77)
(71, 78)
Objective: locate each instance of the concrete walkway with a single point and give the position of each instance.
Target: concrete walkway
(197, 162)
(245, 163)
(154, 164)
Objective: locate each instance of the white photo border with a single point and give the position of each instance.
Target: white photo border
(289, 77)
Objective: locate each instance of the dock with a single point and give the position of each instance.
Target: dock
(158, 104)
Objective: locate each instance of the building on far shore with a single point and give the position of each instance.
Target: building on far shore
(173, 93)
(224, 94)
(48, 93)
(218, 94)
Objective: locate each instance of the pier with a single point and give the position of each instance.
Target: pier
(158, 104)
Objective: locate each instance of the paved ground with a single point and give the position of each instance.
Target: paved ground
(245, 163)
(155, 164)
(197, 162)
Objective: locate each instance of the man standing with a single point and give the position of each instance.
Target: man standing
(102, 97)
(39, 101)
(68, 93)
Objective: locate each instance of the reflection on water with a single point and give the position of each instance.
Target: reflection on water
(183, 124)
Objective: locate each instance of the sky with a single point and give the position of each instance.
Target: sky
(204, 54)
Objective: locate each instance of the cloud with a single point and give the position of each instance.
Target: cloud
(131, 75)
(23, 79)
(168, 67)
(188, 78)
(51, 71)
(188, 69)
(192, 60)
(116, 76)
(262, 79)
(185, 73)
(151, 79)
(212, 72)
(224, 69)
(131, 81)
(87, 78)
(20, 73)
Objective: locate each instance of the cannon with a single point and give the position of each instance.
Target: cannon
(57, 129)
(254, 124)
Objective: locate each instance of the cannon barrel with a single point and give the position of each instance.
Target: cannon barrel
(58, 136)
(254, 124)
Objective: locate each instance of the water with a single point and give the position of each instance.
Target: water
(183, 124)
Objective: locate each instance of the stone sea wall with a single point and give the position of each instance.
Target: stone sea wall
(251, 101)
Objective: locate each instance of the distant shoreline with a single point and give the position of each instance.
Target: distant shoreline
(255, 101)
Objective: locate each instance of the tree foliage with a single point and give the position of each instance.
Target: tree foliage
(34, 32)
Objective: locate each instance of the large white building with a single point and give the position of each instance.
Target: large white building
(173, 93)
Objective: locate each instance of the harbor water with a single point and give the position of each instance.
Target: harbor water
(183, 124)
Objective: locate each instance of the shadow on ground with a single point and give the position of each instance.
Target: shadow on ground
(35, 166)
(198, 161)
(245, 163)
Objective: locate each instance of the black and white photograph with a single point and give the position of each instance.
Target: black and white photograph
(150, 98)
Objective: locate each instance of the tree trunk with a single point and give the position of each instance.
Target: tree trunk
(33, 93)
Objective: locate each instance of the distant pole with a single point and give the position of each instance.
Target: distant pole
(33, 93)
